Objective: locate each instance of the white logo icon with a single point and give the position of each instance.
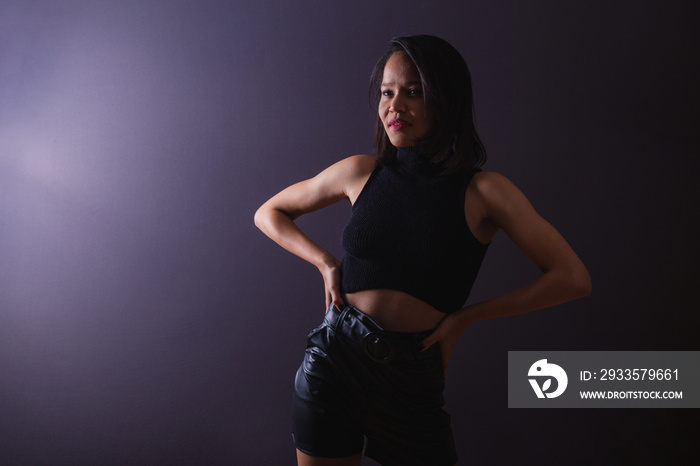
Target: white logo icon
(543, 369)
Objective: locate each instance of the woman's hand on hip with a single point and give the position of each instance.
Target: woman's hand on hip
(331, 280)
(447, 334)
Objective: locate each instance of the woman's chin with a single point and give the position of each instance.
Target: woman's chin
(402, 142)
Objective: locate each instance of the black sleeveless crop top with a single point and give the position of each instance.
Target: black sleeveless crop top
(407, 232)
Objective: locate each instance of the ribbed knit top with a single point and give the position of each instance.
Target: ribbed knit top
(407, 232)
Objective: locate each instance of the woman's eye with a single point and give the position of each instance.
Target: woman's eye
(386, 93)
(414, 91)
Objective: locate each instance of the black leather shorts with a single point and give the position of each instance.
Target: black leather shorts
(357, 381)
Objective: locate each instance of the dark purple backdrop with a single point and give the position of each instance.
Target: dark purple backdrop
(144, 320)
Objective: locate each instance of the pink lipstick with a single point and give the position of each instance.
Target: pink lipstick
(397, 124)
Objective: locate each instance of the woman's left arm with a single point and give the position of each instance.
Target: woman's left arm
(564, 277)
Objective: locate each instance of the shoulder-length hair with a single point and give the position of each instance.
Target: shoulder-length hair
(453, 141)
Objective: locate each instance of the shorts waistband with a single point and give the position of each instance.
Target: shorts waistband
(380, 345)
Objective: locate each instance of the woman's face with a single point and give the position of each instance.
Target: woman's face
(401, 107)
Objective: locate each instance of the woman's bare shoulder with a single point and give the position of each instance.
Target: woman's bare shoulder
(501, 201)
(485, 180)
(347, 170)
(485, 190)
(342, 179)
(493, 187)
(353, 172)
(357, 165)
(494, 196)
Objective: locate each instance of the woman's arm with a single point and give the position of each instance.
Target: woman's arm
(343, 180)
(564, 277)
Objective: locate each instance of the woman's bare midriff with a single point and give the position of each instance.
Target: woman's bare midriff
(395, 311)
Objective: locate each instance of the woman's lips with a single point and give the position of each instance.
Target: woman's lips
(397, 124)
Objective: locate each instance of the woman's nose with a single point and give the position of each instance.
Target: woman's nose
(397, 105)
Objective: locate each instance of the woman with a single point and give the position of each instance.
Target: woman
(423, 216)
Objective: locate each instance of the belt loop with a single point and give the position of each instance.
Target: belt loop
(335, 316)
(342, 314)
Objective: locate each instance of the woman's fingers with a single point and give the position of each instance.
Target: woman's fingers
(428, 342)
(334, 296)
(331, 278)
(334, 293)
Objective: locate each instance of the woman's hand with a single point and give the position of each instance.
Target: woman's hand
(447, 334)
(331, 281)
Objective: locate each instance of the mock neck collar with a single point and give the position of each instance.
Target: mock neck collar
(412, 156)
(416, 159)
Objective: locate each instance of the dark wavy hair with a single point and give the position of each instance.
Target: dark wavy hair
(447, 89)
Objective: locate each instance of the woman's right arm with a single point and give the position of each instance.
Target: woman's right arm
(343, 180)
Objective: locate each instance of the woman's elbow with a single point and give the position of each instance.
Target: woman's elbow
(580, 283)
(261, 217)
(257, 218)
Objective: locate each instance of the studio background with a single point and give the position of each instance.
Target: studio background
(143, 318)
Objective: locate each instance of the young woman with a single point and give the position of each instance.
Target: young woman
(423, 216)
